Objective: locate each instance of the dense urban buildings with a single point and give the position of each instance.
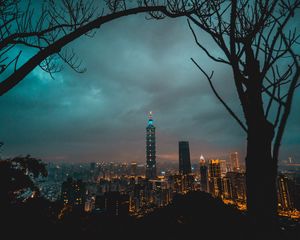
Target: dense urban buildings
(150, 149)
(111, 188)
(121, 189)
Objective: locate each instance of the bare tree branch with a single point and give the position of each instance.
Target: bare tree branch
(219, 97)
(61, 23)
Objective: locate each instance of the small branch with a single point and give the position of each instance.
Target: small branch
(219, 97)
(288, 102)
(203, 48)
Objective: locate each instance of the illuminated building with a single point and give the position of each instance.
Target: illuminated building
(184, 158)
(133, 169)
(150, 149)
(176, 183)
(73, 192)
(234, 162)
(113, 204)
(296, 192)
(136, 198)
(203, 175)
(215, 180)
(241, 186)
(227, 188)
(223, 167)
(284, 194)
(189, 182)
(89, 205)
(116, 204)
(237, 181)
(215, 168)
(161, 194)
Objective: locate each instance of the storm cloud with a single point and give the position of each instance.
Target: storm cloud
(133, 66)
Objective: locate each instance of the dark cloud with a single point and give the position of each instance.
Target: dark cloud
(133, 66)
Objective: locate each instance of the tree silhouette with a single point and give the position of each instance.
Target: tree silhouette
(258, 42)
(17, 176)
(254, 35)
(47, 29)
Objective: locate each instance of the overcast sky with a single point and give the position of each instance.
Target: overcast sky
(133, 66)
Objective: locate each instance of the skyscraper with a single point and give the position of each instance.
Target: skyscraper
(223, 167)
(234, 161)
(215, 180)
(184, 158)
(133, 168)
(73, 192)
(237, 180)
(284, 193)
(150, 149)
(215, 168)
(203, 175)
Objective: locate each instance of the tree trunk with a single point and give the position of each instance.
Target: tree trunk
(261, 174)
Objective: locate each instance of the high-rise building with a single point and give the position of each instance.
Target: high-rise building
(223, 167)
(184, 158)
(113, 203)
(234, 162)
(284, 193)
(203, 175)
(215, 180)
(215, 168)
(133, 169)
(73, 192)
(237, 181)
(150, 149)
(227, 188)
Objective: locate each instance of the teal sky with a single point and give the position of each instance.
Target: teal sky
(133, 66)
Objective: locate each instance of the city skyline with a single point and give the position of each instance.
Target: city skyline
(163, 158)
(147, 119)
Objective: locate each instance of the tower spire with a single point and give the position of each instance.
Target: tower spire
(150, 149)
(150, 118)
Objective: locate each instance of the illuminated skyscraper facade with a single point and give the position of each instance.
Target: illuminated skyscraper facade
(235, 186)
(73, 192)
(150, 149)
(215, 180)
(284, 196)
(203, 175)
(234, 162)
(184, 158)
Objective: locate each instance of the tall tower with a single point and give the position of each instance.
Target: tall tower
(150, 149)
(234, 161)
(284, 195)
(215, 180)
(184, 158)
(203, 175)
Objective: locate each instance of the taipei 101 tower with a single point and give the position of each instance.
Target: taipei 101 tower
(150, 149)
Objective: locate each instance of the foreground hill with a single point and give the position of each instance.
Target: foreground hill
(195, 215)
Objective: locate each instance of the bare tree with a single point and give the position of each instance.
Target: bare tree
(254, 36)
(258, 42)
(47, 28)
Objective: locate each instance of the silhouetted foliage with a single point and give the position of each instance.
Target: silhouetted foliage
(196, 215)
(45, 29)
(259, 44)
(17, 176)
